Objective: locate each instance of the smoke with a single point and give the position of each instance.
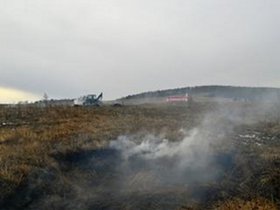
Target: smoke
(152, 147)
(200, 158)
(188, 163)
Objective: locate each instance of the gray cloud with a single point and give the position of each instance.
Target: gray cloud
(68, 48)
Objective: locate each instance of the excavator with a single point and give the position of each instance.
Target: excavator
(89, 100)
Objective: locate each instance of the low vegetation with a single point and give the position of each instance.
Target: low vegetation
(32, 139)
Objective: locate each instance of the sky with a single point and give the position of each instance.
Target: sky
(69, 48)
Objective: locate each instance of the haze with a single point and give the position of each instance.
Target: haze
(69, 48)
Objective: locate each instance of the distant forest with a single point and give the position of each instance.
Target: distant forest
(230, 92)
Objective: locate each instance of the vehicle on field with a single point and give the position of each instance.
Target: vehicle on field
(89, 100)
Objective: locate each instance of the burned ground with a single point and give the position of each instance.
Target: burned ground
(66, 158)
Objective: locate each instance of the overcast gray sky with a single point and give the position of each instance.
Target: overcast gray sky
(69, 48)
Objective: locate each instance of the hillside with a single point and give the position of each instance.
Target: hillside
(231, 92)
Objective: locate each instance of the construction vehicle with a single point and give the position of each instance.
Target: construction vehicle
(89, 100)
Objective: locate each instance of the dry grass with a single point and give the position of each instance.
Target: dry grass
(29, 136)
(253, 204)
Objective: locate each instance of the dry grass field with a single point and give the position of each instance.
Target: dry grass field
(59, 157)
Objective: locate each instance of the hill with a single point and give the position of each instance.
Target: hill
(230, 92)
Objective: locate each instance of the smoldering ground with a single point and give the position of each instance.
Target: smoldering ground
(137, 171)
